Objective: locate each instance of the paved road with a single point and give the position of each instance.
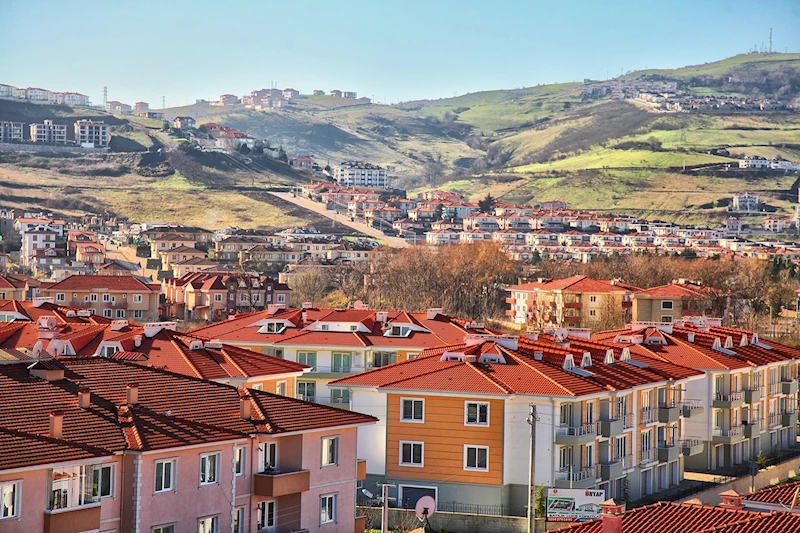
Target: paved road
(394, 242)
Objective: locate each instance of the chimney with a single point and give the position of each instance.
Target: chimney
(84, 397)
(537, 355)
(56, 424)
(244, 407)
(532, 336)
(690, 336)
(132, 393)
(137, 340)
(612, 516)
(731, 500)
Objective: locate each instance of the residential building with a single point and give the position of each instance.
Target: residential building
(754, 162)
(44, 260)
(169, 241)
(11, 131)
(213, 297)
(23, 224)
(360, 174)
(35, 94)
(775, 225)
(7, 91)
(744, 203)
(576, 301)
(11, 289)
(318, 92)
(90, 253)
(454, 419)
(338, 342)
(177, 255)
(118, 108)
(673, 302)
(75, 237)
(49, 132)
(304, 162)
(109, 296)
(183, 122)
(35, 238)
(71, 99)
(229, 99)
(91, 133)
(115, 445)
(336, 93)
(349, 94)
(748, 394)
(290, 93)
(197, 264)
(141, 106)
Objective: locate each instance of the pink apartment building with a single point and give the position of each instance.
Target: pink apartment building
(106, 445)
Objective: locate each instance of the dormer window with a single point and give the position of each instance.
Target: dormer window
(274, 327)
(626, 354)
(324, 327)
(609, 358)
(398, 331)
(586, 360)
(569, 362)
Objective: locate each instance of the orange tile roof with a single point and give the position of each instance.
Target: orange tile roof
(114, 283)
(172, 410)
(578, 284)
(779, 494)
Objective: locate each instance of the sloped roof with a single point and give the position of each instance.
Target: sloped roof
(577, 284)
(114, 283)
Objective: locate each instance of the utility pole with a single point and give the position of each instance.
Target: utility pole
(163, 102)
(532, 419)
(385, 509)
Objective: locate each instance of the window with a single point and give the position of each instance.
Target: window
(340, 396)
(412, 410)
(330, 451)
(666, 318)
(137, 298)
(592, 299)
(281, 298)
(266, 514)
(308, 358)
(209, 468)
(476, 457)
(209, 524)
(239, 454)
(280, 388)
(327, 509)
(238, 520)
(9, 499)
(165, 475)
(80, 485)
(120, 313)
(138, 314)
(108, 313)
(379, 359)
(592, 312)
(244, 298)
(411, 453)
(258, 386)
(666, 304)
(307, 390)
(93, 297)
(170, 528)
(476, 413)
(217, 297)
(60, 297)
(106, 297)
(267, 456)
(341, 362)
(108, 351)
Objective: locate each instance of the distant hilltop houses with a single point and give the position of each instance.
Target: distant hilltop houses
(37, 95)
(758, 162)
(87, 133)
(276, 98)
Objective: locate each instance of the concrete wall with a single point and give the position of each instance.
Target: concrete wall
(764, 478)
(405, 520)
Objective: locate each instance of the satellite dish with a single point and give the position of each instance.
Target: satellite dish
(425, 507)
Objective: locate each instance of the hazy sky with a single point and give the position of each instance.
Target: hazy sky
(392, 50)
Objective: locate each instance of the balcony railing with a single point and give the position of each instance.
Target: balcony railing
(732, 397)
(647, 456)
(733, 431)
(774, 420)
(628, 421)
(647, 416)
(577, 431)
(578, 474)
(774, 389)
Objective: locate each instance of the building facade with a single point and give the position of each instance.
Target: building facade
(49, 132)
(91, 133)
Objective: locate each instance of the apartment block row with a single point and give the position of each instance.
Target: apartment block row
(87, 133)
(43, 96)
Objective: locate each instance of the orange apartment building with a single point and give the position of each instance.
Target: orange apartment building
(118, 297)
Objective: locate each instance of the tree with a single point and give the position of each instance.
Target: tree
(487, 204)
(244, 149)
(282, 155)
(308, 285)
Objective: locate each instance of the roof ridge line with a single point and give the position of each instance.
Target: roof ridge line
(522, 361)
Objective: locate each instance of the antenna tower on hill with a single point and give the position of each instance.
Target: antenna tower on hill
(105, 96)
(770, 40)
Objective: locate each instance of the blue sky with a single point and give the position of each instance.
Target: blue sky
(398, 50)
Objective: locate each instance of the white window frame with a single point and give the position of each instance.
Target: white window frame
(173, 462)
(332, 518)
(108, 313)
(239, 513)
(278, 386)
(477, 447)
(137, 298)
(240, 461)
(106, 297)
(214, 524)
(412, 419)
(120, 313)
(323, 458)
(138, 313)
(478, 412)
(412, 443)
(671, 305)
(163, 528)
(262, 515)
(216, 468)
(217, 297)
(61, 297)
(16, 486)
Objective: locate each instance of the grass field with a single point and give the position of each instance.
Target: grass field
(609, 158)
(725, 66)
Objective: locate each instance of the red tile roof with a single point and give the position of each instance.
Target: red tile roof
(114, 283)
(172, 410)
(577, 284)
(779, 494)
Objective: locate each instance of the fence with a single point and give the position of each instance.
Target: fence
(466, 508)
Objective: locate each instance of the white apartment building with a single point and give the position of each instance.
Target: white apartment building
(71, 99)
(36, 94)
(91, 133)
(745, 202)
(34, 239)
(360, 174)
(49, 133)
(6, 91)
(11, 131)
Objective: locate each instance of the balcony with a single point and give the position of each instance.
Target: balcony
(754, 429)
(335, 371)
(789, 387)
(582, 478)
(668, 452)
(275, 484)
(647, 416)
(668, 412)
(612, 469)
(690, 408)
(728, 401)
(730, 435)
(691, 446)
(752, 395)
(627, 421)
(789, 419)
(775, 389)
(573, 305)
(612, 427)
(647, 457)
(73, 520)
(774, 421)
(361, 469)
(570, 436)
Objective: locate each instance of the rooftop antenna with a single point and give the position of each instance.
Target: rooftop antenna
(105, 96)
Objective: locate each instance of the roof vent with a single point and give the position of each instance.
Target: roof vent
(196, 344)
(132, 393)
(215, 344)
(37, 302)
(537, 355)
(586, 360)
(717, 344)
(690, 336)
(70, 314)
(244, 407)
(532, 336)
(754, 339)
(609, 357)
(381, 316)
(151, 329)
(84, 397)
(569, 362)
(137, 340)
